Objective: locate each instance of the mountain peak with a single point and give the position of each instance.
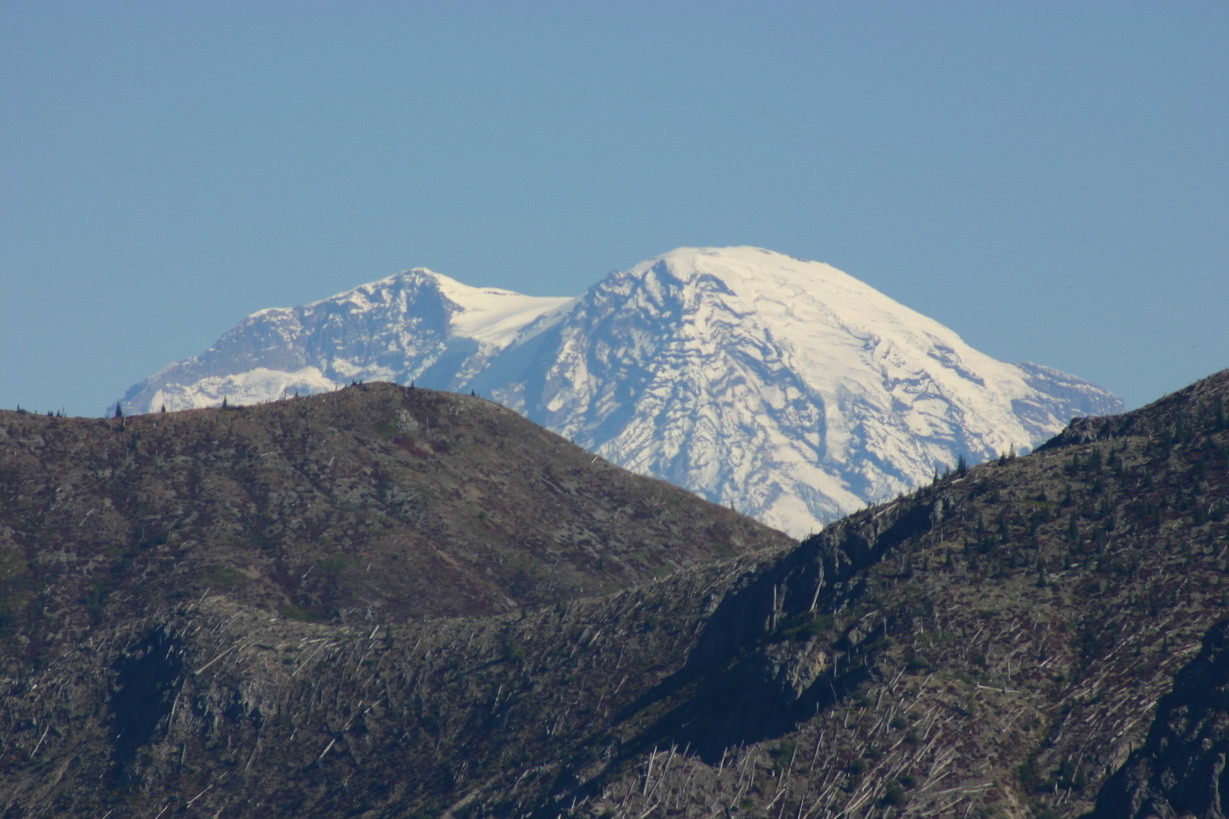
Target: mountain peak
(769, 277)
(741, 253)
(463, 294)
(783, 387)
(488, 315)
(416, 325)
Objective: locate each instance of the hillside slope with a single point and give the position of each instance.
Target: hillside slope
(1002, 642)
(376, 501)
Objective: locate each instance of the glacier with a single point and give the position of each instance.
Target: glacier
(784, 388)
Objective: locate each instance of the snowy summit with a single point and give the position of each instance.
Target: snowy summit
(783, 387)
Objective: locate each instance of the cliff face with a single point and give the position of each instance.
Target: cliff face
(1041, 635)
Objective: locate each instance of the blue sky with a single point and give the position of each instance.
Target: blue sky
(1050, 180)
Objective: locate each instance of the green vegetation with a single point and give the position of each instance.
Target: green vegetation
(293, 611)
(334, 564)
(894, 794)
(223, 577)
(513, 651)
(95, 598)
(783, 756)
(388, 429)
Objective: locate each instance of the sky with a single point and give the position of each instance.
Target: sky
(1048, 179)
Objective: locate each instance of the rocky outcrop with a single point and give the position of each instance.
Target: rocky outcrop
(1182, 769)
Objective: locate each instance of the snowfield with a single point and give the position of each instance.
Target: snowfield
(784, 388)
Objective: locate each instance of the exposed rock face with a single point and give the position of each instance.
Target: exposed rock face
(784, 388)
(1182, 769)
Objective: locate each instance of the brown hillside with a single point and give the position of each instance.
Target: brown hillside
(375, 502)
(1041, 636)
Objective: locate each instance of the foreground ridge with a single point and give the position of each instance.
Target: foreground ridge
(1015, 638)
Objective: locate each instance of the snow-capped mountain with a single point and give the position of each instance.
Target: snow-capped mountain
(779, 386)
(415, 325)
